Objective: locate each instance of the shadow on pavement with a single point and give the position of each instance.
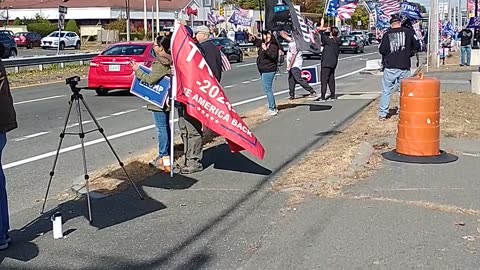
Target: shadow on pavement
(313, 107)
(222, 159)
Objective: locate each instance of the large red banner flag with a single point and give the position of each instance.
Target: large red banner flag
(203, 96)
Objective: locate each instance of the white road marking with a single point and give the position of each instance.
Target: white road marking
(38, 99)
(124, 112)
(244, 65)
(254, 80)
(30, 136)
(245, 82)
(134, 131)
(229, 86)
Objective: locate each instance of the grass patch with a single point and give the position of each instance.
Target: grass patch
(52, 73)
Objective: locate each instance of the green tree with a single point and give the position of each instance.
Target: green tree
(421, 7)
(17, 21)
(72, 26)
(360, 14)
(120, 25)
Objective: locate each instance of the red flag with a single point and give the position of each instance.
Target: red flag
(204, 98)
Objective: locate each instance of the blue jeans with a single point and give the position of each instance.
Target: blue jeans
(390, 81)
(4, 220)
(161, 120)
(465, 50)
(267, 80)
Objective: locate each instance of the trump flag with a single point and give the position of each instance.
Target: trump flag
(204, 98)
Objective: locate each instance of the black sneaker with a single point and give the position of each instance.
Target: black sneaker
(291, 98)
(190, 169)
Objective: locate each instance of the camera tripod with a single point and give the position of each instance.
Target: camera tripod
(75, 99)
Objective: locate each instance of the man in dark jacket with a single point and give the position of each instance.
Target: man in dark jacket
(397, 47)
(191, 128)
(330, 54)
(7, 123)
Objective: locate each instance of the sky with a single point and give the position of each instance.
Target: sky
(426, 3)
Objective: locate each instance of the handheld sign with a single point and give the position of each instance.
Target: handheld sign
(310, 74)
(154, 94)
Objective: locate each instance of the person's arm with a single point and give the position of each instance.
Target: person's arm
(272, 52)
(384, 47)
(157, 73)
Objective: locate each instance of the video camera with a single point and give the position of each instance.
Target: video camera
(72, 80)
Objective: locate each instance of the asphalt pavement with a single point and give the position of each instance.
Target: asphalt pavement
(41, 112)
(216, 219)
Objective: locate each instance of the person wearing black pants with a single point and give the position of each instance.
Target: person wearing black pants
(330, 54)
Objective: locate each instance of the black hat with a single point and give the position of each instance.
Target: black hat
(264, 32)
(394, 19)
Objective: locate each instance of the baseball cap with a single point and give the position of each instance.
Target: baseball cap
(189, 30)
(395, 19)
(202, 29)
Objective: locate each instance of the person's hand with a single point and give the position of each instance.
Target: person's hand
(264, 46)
(135, 66)
(172, 70)
(284, 34)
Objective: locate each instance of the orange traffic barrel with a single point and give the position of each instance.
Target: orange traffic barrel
(419, 121)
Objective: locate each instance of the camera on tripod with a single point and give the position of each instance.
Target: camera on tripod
(72, 80)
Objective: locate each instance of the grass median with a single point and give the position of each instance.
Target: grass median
(52, 73)
(325, 171)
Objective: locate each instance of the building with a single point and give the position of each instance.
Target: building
(93, 12)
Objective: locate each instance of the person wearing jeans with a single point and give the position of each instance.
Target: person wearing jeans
(267, 64)
(8, 122)
(465, 36)
(397, 47)
(160, 69)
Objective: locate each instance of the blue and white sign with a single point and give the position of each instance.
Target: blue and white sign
(155, 94)
(310, 74)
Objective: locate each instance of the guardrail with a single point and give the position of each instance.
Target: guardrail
(16, 63)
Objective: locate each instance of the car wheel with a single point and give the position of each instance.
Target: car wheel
(62, 46)
(101, 92)
(240, 58)
(13, 53)
(77, 46)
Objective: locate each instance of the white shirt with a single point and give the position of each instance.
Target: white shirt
(231, 35)
(292, 49)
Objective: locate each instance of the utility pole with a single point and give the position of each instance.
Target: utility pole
(433, 43)
(127, 10)
(449, 11)
(145, 23)
(158, 19)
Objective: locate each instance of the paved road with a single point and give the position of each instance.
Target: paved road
(41, 111)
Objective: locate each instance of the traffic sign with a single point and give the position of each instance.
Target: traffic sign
(62, 9)
(310, 74)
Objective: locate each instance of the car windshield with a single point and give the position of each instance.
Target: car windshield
(347, 38)
(221, 42)
(120, 50)
(55, 34)
(20, 34)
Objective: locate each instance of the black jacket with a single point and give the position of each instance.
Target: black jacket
(213, 58)
(267, 60)
(466, 36)
(8, 119)
(331, 51)
(397, 47)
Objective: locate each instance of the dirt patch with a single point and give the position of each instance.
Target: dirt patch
(53, 74)
(452, 63)
(325, 171)
(113, 179)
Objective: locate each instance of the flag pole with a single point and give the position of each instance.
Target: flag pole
(172, 106)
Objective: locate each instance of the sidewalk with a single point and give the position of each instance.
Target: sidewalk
(217, 219)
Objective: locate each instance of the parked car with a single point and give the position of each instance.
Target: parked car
(111, 70)
(351, 43)
(27, 39)
(9, 32)
(9, 44)
(229, 48)
(372, 38)
(67, 39)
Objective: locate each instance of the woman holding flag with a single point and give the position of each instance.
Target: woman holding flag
(160, 69)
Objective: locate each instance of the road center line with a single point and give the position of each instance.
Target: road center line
(137, 130)
(38, 99)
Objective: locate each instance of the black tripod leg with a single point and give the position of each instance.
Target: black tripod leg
(52, 172)
(84, 157)
(111, 148)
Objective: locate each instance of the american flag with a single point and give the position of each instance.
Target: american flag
(241, 12)
(226, 66)
(390, 7)
(346, 9)
(331, 9)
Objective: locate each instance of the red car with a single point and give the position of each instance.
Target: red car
(27, 39)
(111, 70)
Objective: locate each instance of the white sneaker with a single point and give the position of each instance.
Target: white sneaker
(271, 113)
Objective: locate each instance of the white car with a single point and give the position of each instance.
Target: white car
(67, 39)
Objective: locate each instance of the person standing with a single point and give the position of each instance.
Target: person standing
(397, 47)
(330, 54)
(465, 36)
(161, 116)
(294, 68)
(267, 65)
(8, 122)
(190, 128)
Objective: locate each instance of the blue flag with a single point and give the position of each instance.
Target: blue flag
(332, 8)
(410, 11)
(383, 20)
(448, 29)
